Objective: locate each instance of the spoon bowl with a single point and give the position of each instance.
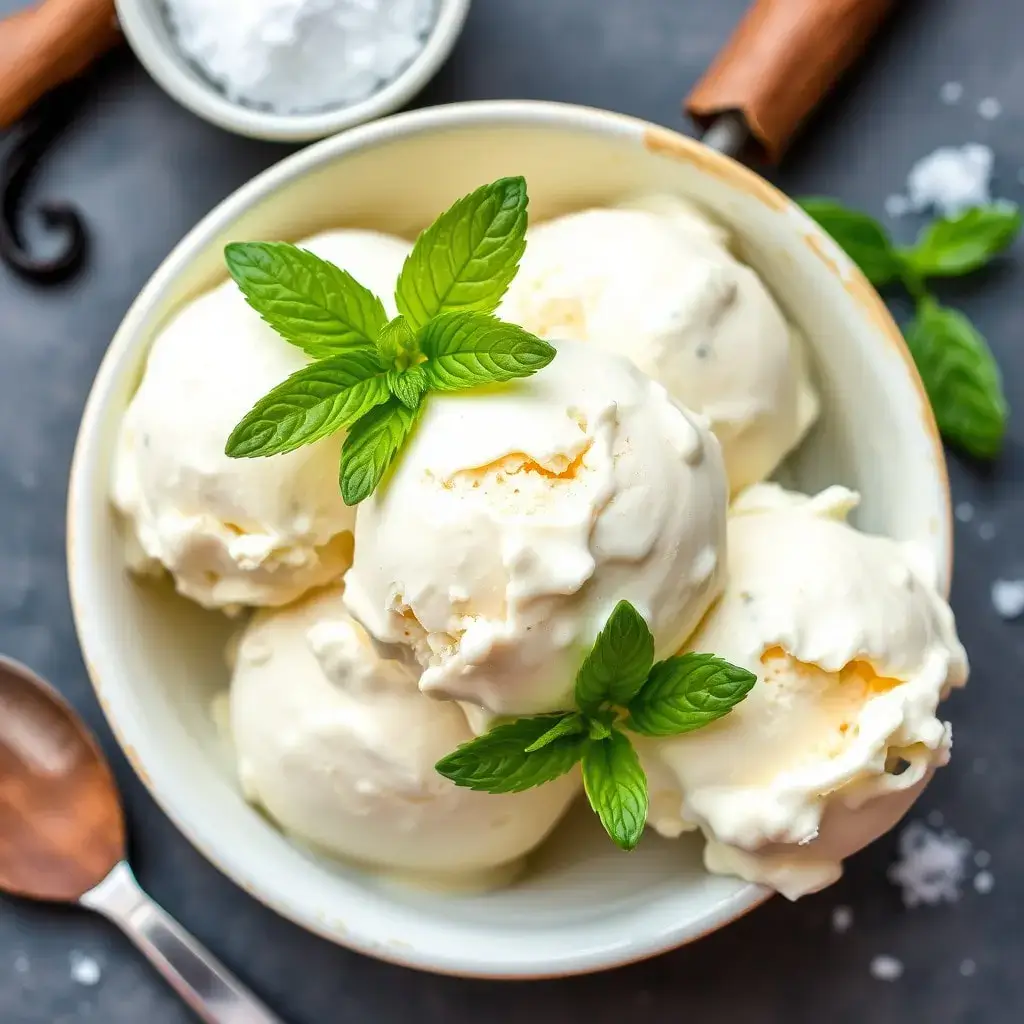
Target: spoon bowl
(61, 825)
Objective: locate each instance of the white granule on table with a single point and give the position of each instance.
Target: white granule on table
(842, 920)
(1008, 598)
(84, 969)
(990, 108)
(984, 882)
(21, 964)
(300, 55)
(951, 180)
(936, 819)
(897, 205)
(968, 968)
(886, 968)
(982, 859)
(964, 512)
(951, 92)
(987, 531)
(932, 865)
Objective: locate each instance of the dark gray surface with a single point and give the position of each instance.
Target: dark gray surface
(145, 170)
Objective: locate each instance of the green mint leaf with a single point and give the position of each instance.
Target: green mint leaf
(616, 787)
(466, 259)
(308, 301)
(310, 404)
(568, 724)
(687, 692)
(961, 377)
(957, 245)
(500, 762)
(597, 729)
(408, 386)
(395, 339)
(371, 447)
(861, 237)
(465, 350)
(619, 661)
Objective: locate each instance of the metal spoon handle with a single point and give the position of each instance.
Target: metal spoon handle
(206, 985)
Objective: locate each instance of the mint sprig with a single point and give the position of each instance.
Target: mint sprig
(372, 374)
(956, 365)
(618, 687)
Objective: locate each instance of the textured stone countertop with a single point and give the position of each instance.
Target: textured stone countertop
(145, 170)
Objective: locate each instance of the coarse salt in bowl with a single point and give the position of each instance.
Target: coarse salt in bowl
(157, 661)
(291, 70)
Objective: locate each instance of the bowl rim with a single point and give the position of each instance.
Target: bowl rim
(461, 115)
(168, 68)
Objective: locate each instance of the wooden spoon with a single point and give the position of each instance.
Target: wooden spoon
(62, 839)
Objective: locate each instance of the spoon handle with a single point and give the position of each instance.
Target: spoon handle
(205, 984)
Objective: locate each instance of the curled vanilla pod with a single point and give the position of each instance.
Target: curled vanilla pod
(28, 144)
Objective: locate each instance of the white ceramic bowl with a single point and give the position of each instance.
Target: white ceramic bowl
(156, 661)
(145, 27)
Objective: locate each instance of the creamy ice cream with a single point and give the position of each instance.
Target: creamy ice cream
(235, 531)
(338, 745)
(655, 281)
(517, 517)
(854, 649)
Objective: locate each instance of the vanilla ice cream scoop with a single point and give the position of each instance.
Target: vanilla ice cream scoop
(655, 281)
(518, 516)
(235, 531)
(339, 746)
(854, 649)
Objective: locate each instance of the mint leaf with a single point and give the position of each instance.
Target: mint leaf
(568, 725)
(957, 245)
(619, 661)
(616, 787)
(311, 303)
(408, 386)
(861, 237)
(371, 447)
(464, 350)
(961, 377)
(687, 692)
(310, 404)
(498, 761)
(466, 259)
(395, 339)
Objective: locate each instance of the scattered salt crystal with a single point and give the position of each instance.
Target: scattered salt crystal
(897, 205)
(300, 55)
(968, 968)
(984, 883)
(990, 108)
(84, 969)
(935, 819)
(987, 531)
(21, 964)
(932, 865)
(964, 512)
(886, 968)
(951, 180)
(982, 859)
(842, 920)
(1008, 598)
(951, 92)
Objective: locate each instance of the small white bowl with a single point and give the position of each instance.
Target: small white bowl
(145, 27)
(156, 661)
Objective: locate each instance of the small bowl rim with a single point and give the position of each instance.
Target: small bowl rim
(411, 123)
(168, 69)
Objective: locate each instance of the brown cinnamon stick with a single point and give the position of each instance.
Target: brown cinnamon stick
(45, 45)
